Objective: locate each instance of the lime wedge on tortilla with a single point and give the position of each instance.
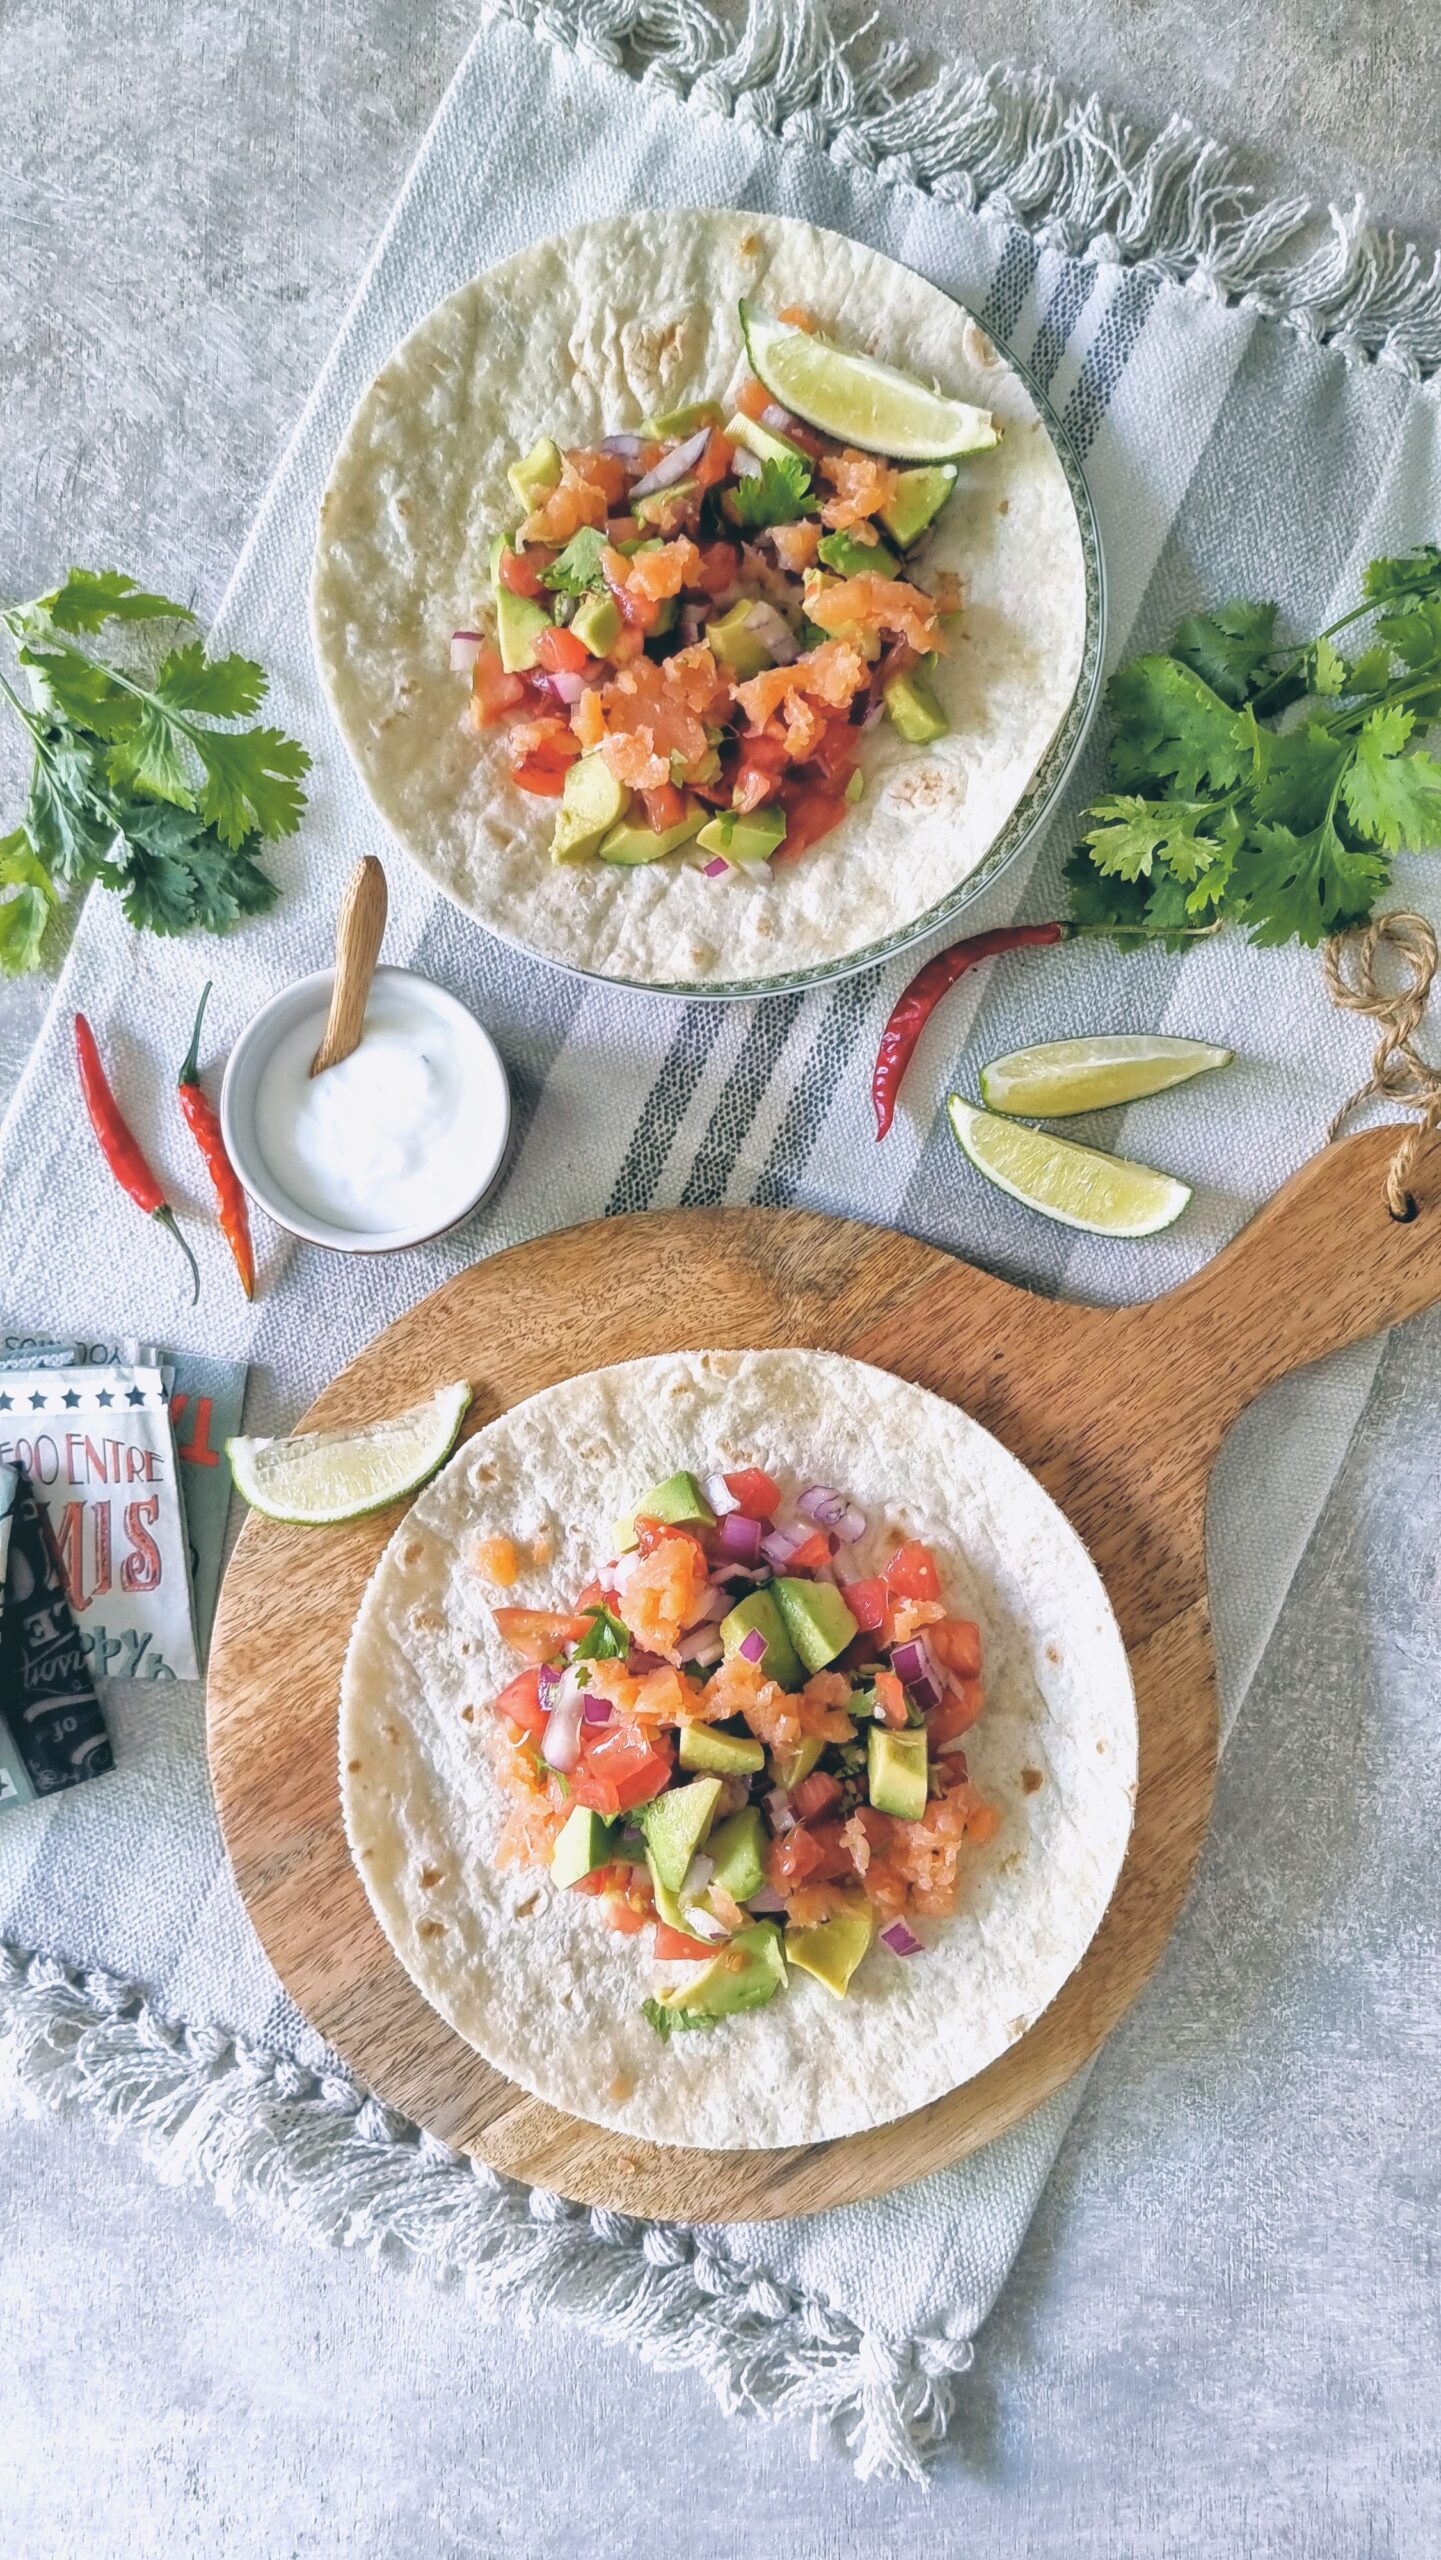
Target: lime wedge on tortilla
(857, 400)
(1105, 1195)
(1059, 1077)
(321, 1477)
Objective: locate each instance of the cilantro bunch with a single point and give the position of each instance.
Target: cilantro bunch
(130, 784)
(1225, 807)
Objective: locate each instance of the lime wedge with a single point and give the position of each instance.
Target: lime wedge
(1060, 1077)
(1106, 1195)
(858, 401)
(321, 1477)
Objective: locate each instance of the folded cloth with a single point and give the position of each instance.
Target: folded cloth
(1207, 432)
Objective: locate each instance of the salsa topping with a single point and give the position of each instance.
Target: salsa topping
(696, 622)
(734, 1743)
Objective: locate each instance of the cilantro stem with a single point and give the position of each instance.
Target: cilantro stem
(20, 709)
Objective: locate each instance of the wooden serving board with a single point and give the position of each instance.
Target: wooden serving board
(1119, 1412)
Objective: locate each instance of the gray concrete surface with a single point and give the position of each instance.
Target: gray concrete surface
(1221, 2337)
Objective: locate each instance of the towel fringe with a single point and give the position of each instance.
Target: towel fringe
(320, 2160)
(1017, 145)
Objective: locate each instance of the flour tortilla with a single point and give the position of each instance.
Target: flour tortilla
(583, 336)
(530, 1976)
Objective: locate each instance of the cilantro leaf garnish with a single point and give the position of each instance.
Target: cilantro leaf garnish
(576, 570)
(130, 782)
(1214, 813)
(605, 1640)
(776, 494)
(669, 2022)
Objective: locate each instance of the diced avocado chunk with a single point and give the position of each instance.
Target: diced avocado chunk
(630, 843)
(920, 496)
(591, 802)
(732, 1755)
(538, 471)
(679, 1502)
(750, 1969)
(855, 788)
(735, 646)
(914, 708)
(674, 1825)
(745, 837)
(852, 559)
(758, 1613)
(763, 442)
(519, 620)
(896, 1771)
(739, 1850)
(833, 1949)
(789, 1767)
(583, 1843)
(652, 507)
(668, 1908)
(816, 1619)
(596, 623)
(672, 426)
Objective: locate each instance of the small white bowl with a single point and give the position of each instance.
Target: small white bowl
(488, 1121)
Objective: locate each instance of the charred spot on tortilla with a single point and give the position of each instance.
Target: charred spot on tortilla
(1031, 1780)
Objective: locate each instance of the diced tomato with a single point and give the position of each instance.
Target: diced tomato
(664, 807)
(519, 1703)
(837, 750)
(592, 1597)
(677, 1946)
(719, 568)
(537, 1635)
(560, 653)
(957, 1643)
(805, 1857)
(519, 572)
(758, 1494)
(492, 691)
(812, 811)
(912, 1573)
(752, 399)
(542, 780)
(815, 1551)
(714, 463)
(758, 775)
(890, 1700)
(867, 1602)
(619, 1768)
(957, 1712)
(603, 471)
(816, 1794)
(621, 1912)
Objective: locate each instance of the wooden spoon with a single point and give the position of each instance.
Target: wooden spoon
(358, 931)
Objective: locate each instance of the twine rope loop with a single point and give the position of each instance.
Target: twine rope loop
(1399, 1073)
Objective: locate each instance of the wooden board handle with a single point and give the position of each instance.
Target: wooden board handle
(358, 931)
(1324, 1264)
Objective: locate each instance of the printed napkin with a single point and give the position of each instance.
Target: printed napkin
(1227, 454)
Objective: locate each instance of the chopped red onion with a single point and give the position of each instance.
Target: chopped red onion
(567, 684)
(703, 1923)
(916, 1665)
(692, 622)
(713, 870)
(547, 1679)
(833, 1511)
(595, 1710)
(781, 1545)
(703, 1647)
(465, 648)
(774, 633)
(674, 465)
(766, 1900)
(778, 1809)
(717, 1602)
(754, 1646)
(697, 1876)
(758, 1574)
(625, 448)
(778, 420)
(741, 1537)
(719, 1495)
(638, 1662)
(748, 465)
(560, 1743)
(900, 1940)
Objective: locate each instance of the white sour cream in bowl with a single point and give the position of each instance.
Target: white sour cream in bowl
(397, 1143)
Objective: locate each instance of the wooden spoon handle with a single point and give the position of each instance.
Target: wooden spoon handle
(358, 932)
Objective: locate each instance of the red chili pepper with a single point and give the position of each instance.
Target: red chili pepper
(119, 1145)
(203, 1121)
(915, 1007)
